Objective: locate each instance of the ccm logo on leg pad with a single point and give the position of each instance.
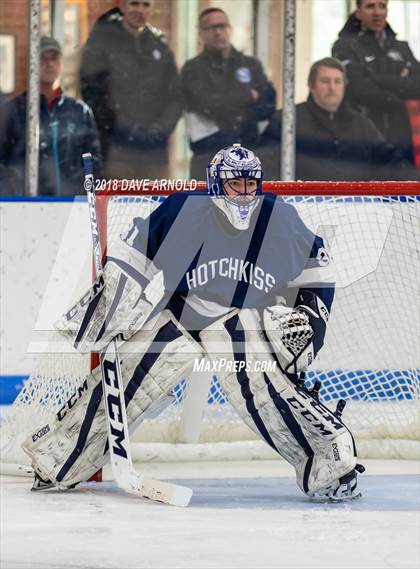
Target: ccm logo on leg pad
(72, 400)
(113, 403)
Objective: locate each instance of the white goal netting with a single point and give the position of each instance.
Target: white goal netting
(370, 357)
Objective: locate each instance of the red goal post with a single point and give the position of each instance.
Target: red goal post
(281, 188)
(338, 189)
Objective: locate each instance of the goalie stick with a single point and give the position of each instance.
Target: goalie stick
(124, 473)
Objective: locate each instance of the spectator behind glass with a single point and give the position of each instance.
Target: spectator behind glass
(66, 130)
(333, 141)
(383, 74)
(226, 93)
(129, 78)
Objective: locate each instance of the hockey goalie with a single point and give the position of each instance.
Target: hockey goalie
(245, 280)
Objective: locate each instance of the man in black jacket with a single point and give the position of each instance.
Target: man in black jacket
(226, 93)
(382, 71)
(129, 78)
(333, 141)
(67, 129)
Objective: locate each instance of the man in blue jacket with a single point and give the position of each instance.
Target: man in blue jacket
(67, 129)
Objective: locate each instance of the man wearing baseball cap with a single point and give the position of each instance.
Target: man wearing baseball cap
(67, 129)
(50, 44)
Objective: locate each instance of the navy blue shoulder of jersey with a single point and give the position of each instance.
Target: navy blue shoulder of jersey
(178, 214)
(288, 220)
(191, 211)
(288, 226)
(187, 231)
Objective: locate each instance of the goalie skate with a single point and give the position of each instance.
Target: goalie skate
(40, 484)
(344, 489)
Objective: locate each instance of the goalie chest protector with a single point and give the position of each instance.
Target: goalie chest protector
(202, 254)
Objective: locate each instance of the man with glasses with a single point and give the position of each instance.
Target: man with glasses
(226, 93)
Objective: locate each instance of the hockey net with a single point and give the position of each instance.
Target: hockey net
(370, 357)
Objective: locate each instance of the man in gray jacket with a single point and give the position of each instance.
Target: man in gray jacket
(129, 78)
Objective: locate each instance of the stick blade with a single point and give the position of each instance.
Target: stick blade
(129, 480)
(165, 492)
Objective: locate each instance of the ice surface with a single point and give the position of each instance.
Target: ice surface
(247, 522)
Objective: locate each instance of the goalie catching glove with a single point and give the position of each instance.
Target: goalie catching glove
(297, 334)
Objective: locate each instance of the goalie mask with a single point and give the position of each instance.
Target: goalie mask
(234, 179)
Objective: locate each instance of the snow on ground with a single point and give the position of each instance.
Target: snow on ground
(254, 518)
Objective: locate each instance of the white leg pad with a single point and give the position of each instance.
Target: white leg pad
(291, 420)
(72, 447)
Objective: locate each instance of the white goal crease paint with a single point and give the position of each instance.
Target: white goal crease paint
(239, 518)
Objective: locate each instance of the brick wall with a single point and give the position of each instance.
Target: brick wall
(14, 20)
